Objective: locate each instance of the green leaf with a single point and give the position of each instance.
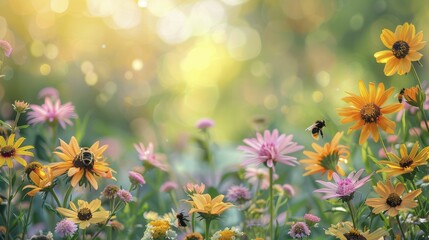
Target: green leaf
(23, 126)
(81, 126)
(41, 147)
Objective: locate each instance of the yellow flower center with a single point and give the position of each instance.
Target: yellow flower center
(159, 228)
(354, 235)
(370, 113)
(84, 214)
(85, 159)
(393, 200)
(226, 235)
(406, 162)
(400, 49)
(7, 151)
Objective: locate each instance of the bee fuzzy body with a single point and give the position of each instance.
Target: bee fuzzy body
(182, 220)
(316, 129)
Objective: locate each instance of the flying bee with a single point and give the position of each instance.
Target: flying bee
(400, 95)
(181, 220)
(316, 128)
(85, 158)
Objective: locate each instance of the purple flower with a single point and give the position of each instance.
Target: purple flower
(124, 195)
(65, 228)
(299, 230)
(7, 48)
(49, 92)
(204, 123)
(168, 186)
(148, 155)
(238, 194)
(343, 188)
(51, 113)
(136, 178)
(311, 218)
(270, 149)
(289, 190)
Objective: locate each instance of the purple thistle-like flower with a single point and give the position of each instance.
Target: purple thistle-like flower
(124, 195)
(311, 218)
(136, 178)
(204, 123)
(269, 149)
(147, 154)
(343, 188)
(168, 186)
(299, 230)
(65, 228)
(7, 48)
(238, 194)
(52, 112)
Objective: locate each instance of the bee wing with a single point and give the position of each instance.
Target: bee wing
(310, 127)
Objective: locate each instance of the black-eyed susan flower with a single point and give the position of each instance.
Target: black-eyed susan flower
(367, 111)
(42, 179)
(414, 96)
(12, 150)
(85, 214)
(346, 231)
(392, 199)
(405, 162)
(404, 45)
(81, 163)
(326, 158)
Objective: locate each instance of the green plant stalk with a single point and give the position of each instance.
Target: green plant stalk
(173, 198)
(421, 89)
(24, 231)
(15, 123)
(193, 222)
(83, 234)
(67, 196)
(400, 227)
(9, 201)
(271, 204)
(208, 221)
(352, 213)
(108, 219)
(384, 147)
(54, 195)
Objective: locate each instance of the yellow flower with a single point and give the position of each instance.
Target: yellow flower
(42, 178)
(11, 150)
(390, 198)
(193, 236)
(414, 96)
(406, 163)
(203, 203)
(81, 162)
(159, 228)
(404, 45)
(368, 112)
(345, 230)
(86, 213)
(325, 159)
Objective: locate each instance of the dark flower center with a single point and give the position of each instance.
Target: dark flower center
(370, 113)
(406, 162)
(354, 235)
(7, 151)
(85, 159)
(393, 200)
(400, 49)
(84, 214)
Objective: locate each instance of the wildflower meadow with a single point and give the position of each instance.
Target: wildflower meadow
(214, 119)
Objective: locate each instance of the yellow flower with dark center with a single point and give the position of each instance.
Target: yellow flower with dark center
(414, 96)
(346, 231)
(11, 150)
(159, 228)
(34, 167)
(404, 45)
(326, 159)
(81, 162)
(205, 205)
(193, 236)
(405, 163)
(391, 199)
(42, 179)
(86, 214)
(367, 111)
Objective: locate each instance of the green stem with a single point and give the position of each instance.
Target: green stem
(15, 123)
(271, 204)
(424, 117)
(400, 227)
(112, 213)
(83, 234)
(67, 196)
(27, 217)
(54, 195)
(384, 147)
(207, 229)
(173, 198)
(352, 213)
(193, 222)
(9, 204)
(416, 76)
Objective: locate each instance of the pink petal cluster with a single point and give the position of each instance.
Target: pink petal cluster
(238, 194)
(269, 149)
(204, 123)
(136, 178)
(299, 230)
(65, 228)
(191, 188)
(7, 48)
(52, 112)
(168, 186)
(147, 154)
(124, 195)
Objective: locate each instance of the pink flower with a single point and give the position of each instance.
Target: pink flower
(168, 186)
(49, 92)
(136, 178)
(259, 176)
(124, 195)
(52, 113)
(299, 230)
(7, 48)
(289, 189)
(147, 155)
(311, 218)
(192, 189)
(238, 194)
(65, 228)
(204, 123)
(270, 149)
(343, 188)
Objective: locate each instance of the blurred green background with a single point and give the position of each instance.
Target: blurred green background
(152, 67)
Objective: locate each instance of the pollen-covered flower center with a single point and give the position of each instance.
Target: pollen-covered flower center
(298, 229)
(85, 159)
(370, 113)
(354, 235)
(268, 151)
(406, 162)
(7, 151)
(227, 234)
(400, 49)
(393, 200)
(84, 214)
(345, 187)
